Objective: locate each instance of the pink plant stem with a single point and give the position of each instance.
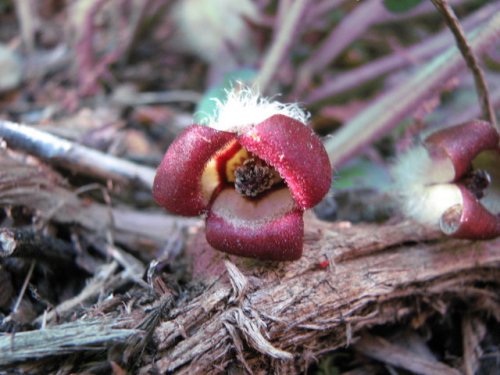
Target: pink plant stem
(392, 107)
(85, 51)
(91, 69)
(422, 51)
(282, 41)
(365, 14)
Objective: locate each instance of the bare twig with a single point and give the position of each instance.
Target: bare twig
(283, 39)
(28, 243)
(72, 155)
(63, 339)
(481, 86)
(398, 103)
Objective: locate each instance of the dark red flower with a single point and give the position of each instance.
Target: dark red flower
(453, 180)
(253, 184)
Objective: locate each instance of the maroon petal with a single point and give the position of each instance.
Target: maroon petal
(177, 185)
(296, 153)
(470, 220)
(462, 143)
(270, 228)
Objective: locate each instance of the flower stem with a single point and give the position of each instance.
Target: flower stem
(283, 40)
(481, 86)
(393, 106)
(418, 53)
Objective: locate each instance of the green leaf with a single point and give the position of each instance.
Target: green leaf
(207, 105)
(361, 173)
(399, 6)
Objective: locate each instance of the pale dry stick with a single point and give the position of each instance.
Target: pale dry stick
(416, 53)
(27, 20)
(73, 337)
(72, 155)
(392, 107)
(282, 42)
(481, 86)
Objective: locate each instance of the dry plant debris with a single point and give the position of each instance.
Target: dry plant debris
(96, 278)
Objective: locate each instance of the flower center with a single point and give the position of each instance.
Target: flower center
(254, 176)
(477, 181)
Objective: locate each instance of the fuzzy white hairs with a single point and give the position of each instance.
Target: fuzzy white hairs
(421, 188)
(246, 107)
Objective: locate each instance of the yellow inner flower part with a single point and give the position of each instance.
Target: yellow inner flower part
(233, 163)
(209, 179)
(232, 155)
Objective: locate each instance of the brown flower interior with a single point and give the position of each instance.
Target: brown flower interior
(485, 182)
(254, 176)
(477, 181)
(235, 166)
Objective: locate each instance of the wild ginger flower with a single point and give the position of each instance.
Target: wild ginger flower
(452, 181)
(253, 171)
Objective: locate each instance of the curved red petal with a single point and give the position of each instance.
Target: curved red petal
(177, 185)
(462, 143)
(296, 153)
(470, 220)
(270, 228)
